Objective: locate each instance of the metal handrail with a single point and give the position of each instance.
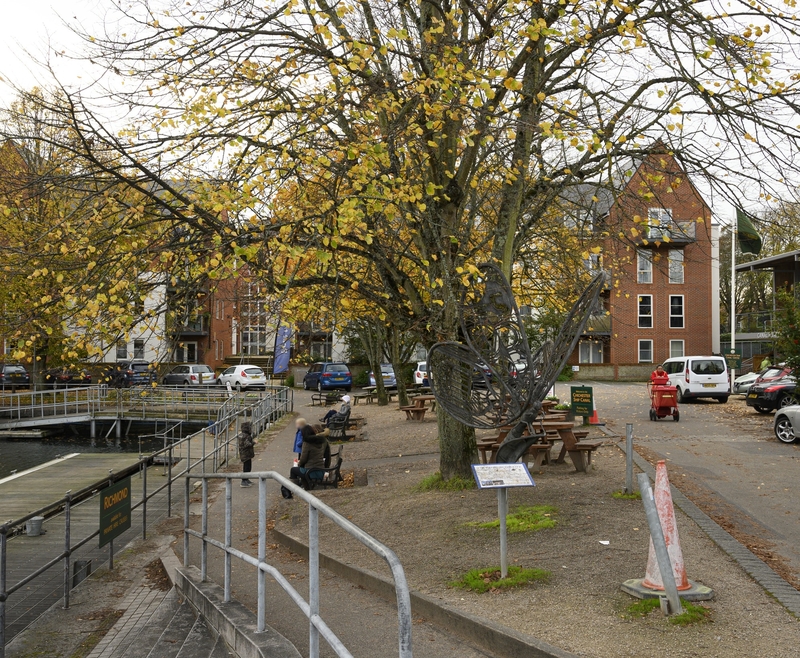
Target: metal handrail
(261, 413)
(310, 608)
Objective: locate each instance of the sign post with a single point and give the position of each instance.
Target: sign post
(582, 401)
(115, 510)
(502, 477)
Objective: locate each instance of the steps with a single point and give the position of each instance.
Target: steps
(164, 627)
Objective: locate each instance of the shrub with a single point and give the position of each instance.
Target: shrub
(289, 381)
(436, 482)
(524, 519)
(484, 580)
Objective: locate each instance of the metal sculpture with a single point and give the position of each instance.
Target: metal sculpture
(491, 379)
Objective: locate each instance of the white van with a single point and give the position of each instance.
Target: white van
(699, 377)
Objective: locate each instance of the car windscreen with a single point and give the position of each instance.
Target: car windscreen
(387, 370)
(202, 369)
(254, 371)
(15, 369)
(771, 373)
(708, 366)
(139, 367)
(336, 367)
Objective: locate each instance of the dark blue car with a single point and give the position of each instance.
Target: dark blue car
(327, 376)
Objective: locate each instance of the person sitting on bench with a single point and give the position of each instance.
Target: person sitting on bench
(314, 454)
(344, 409)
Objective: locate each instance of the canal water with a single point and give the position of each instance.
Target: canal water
(21, 454)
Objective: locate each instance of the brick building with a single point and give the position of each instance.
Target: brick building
(661, 250)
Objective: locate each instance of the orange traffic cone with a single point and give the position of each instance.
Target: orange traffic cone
(652, 586)
(666, 514)
(593, 419)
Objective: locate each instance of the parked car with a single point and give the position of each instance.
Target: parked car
(14, 376)
(769, 396)
(387, 372)
(190, 375)
(243, 377)
(787, 424)
(65, 378)
(421, 373)
(742, 384)
(328, 375)
(699, 377)
(137, 373)
(481, 376)
(773, 373)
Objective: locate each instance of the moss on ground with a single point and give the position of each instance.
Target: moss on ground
(436, 482)
(692, 613)
(484, 580)
(525, 519)
(621, 495)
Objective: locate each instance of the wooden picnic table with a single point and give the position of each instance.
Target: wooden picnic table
(579, 452)
(420, 400)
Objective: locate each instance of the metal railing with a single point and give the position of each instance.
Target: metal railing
(316, 625)
(207, 449)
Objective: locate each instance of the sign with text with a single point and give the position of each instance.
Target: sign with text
(734, 359)
(582, 400)
(115, 510)
(497, 476)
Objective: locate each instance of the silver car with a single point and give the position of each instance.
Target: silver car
(742, 384)
(190, 375)
(787, 423)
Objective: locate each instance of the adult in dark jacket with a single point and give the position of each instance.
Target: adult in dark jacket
(315, 453)
(246, 451)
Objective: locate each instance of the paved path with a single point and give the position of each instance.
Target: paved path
(365, 623)
(725, 459)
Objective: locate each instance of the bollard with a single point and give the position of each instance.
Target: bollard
(81, 570)
(629, 458)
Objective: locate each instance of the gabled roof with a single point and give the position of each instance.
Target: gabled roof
(594, 199)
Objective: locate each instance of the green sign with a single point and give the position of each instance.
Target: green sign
(734, 359)
(582, 400)
(115, 510)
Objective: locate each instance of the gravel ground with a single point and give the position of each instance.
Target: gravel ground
(580, 608)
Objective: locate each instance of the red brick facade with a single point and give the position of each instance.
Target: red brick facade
(657, 188)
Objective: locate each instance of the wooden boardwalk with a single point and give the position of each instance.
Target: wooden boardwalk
(29, 490)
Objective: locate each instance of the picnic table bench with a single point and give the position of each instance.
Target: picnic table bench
(361, 395)
(326, 399)
(580, 452)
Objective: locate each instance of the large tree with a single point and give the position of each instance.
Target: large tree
(385, 147)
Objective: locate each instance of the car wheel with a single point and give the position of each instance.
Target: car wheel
(185, 383)
(305, 385)
(784, 431)
(785, 400)
(319, 387)
(760, 409)
(165, 382)
(680, 396)
(238, 387)
(723, 400)
(677, 416)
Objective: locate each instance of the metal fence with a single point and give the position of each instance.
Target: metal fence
(317, 626)
(30, 585)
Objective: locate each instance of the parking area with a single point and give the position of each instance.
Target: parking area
(726, 459)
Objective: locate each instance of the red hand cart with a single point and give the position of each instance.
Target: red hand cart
(663, 402)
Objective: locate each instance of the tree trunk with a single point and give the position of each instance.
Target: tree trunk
(397, 365)
(458, 450)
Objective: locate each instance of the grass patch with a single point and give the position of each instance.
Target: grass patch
(485, 580)
(692, 613)
(524, 519)
(621, 495)
(436, 482)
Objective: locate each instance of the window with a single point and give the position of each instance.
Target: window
(122, 350)
(645, 311)
(676, 350)
(646, 351)
(644, 267)
(593, 263)
(590, 351)
(219, 309)
(708, 366)
(186, 353)
(675, 312)
(660, 222)
(138, 348)
(675, 266)
(676, 366)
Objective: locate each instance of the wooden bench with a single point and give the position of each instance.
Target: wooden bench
(357, 397)
(540, 453)
(414, 413)
(326, 399)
